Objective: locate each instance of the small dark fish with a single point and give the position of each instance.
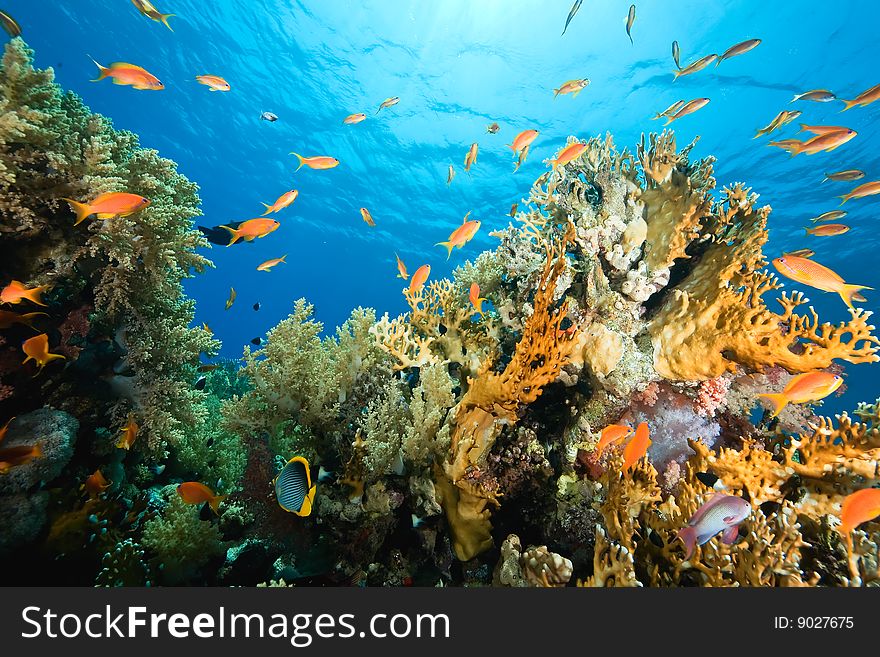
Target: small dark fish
(257, 341)
(707, 478)
(738, 49)
(654, 537)
(257, 305)
(769, 507)
(676, 54)
(12, 28)
(218, 235)
(801, 253)
(268, 116)
(201, 383)
(630, 19)
(493, 128)
(574, 10)
(513, 209)
(207, 368)
(848, 175)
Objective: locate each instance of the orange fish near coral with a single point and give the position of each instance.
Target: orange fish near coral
(16, 292)
(461, 235)
(251, 230)
(867, 189)
(688, 108)
(129, 75)
(401, 268)
(573, 87)
(809, 272)
(7, 319)
(827, 230)
(352, 119)
(419, 278)
(808, 387)
(267, 266)
(108, 206)
(192, 492)
(96, 484)
(214, 82)
(637, 447)
(316, 162)
(128, 434)
(569, 154)
(367, 217)
(612, 435)
(865, 98)
(37, 350)
(11, 457)
(285, 200)
(522, 140)
(475, 298)
(859, 507)
(470, 159)
(149, 10)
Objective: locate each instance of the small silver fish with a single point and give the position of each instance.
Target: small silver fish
(847, 175)
(817, 95)
(451, 175)
(630, 19)
(738, 49)
(676, 54)
(268, 116)
(574, 10)
(831, 215)
(722, 513)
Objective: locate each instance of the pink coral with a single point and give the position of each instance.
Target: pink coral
(649, 395)
(711, 395)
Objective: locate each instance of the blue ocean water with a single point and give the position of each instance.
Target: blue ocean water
(457, 66)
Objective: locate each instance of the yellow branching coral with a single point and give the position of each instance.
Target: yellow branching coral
(715, 318)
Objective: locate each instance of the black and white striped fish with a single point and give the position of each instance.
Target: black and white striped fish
(293, 487)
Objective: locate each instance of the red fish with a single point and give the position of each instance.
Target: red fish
(637, 447)
(808, 387)
(251, 230)
(612, 435)
(129, 75)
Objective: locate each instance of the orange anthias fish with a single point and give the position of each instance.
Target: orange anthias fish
(419, 278)
(867, 189)
(865, 98)
(316, 162)
(401, 268)
(16, 292)
(612, 435)
(471, 157)
(11, 457)
(251, 230)
(149, 10)
(130, 75)
(214, 82)
(351, 119)
(7, 319)
(37, 350)
(573, 87)
(367, 217)
(96, 483)
(809, 272)
(738, 49)
(688, 108)
(824, 142)
(569, 154)
(822, 129)
(637, 447)
(859, 507)
(475, 298)
(285, 200)
(461, 235)
(128, 434)
(523, 139)
(808, 387)
(698, 65)
(192, 492)
(267, 266)
(827, 230)
(108, 206)
(388, 102)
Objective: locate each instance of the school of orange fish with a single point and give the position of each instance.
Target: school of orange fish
(721, 514)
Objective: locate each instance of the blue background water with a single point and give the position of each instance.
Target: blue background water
(458, 65)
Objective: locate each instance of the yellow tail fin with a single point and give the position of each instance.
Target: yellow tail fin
(104, 71)
(268, 208)
(164, 18)
(34, 295)
(82, 210)
(233, 234)
(848, 104)
(214, 503)
(448, 246)
(301, 160)
(848, 292)
(778, 399)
